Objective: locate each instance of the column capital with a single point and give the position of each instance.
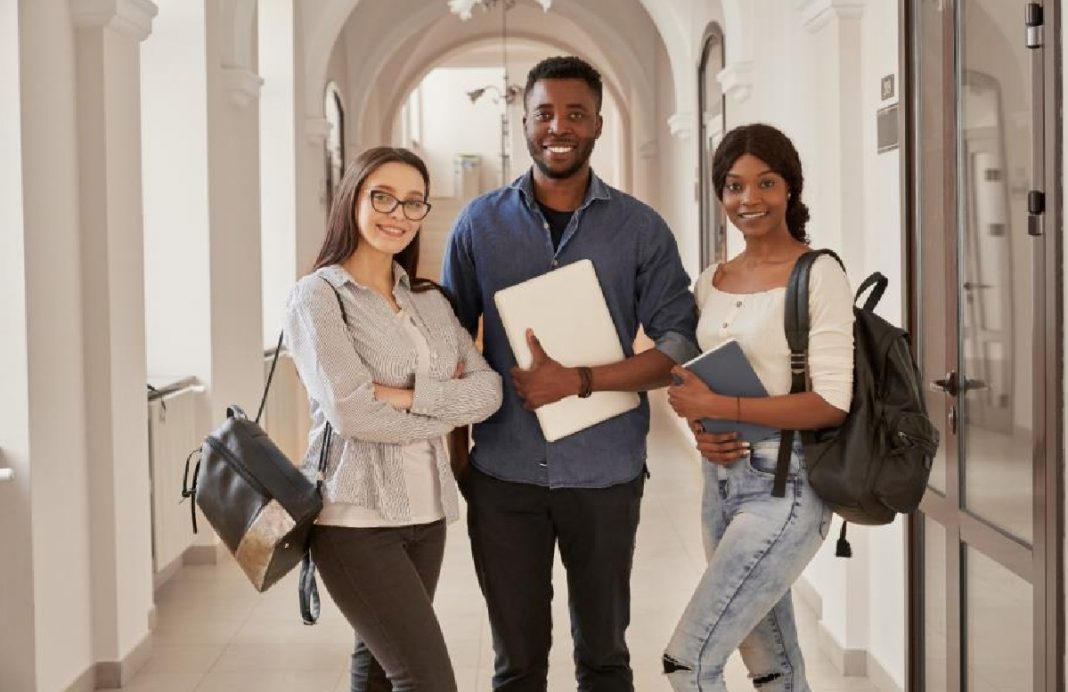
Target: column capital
(815, 14)
(682, 124)
(242, 86)
(131, 18)
(736, 80)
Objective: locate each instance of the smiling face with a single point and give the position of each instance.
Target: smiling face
(388, 233)
(561, 126)
(755, 197)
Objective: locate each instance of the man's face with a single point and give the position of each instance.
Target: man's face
(561, 126)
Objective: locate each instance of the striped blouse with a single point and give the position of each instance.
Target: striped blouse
(339, 366)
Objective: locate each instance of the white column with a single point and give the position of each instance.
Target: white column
(234, 210)
(202, 207)
(834, 33)
(107, 39)
(278, 158)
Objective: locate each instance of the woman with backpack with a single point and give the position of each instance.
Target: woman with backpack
(390, 370)
(757, 543)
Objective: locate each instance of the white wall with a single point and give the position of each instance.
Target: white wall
(453, 125)
(174, 141)
(54, 342)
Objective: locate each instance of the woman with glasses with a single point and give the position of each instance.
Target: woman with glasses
(387, 365)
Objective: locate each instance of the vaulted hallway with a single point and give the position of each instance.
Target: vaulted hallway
(166, 172)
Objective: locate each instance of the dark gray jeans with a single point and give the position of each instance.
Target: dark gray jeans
(515, 529)
(383, 580)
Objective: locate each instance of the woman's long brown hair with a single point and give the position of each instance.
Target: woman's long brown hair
(342, 234)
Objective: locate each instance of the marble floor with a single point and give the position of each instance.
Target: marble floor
(216, 633)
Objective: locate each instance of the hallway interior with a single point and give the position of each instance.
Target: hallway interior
(216, 633)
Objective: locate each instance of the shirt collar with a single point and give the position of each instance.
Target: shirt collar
(525, 184)
(336, 275)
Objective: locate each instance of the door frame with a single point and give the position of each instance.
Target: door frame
(1043, 565)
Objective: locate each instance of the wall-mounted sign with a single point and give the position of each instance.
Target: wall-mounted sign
(887, 87)
(886, 134)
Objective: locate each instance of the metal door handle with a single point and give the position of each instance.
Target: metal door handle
(6, 475)
(954, 384)
(948, 384)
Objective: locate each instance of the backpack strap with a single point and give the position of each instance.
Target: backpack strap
(796, 324)
(877, 282)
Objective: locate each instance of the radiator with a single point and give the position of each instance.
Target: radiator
(172, 435)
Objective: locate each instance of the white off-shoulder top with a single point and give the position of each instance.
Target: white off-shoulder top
(755, 321)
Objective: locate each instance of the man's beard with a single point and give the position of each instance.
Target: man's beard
(583, 151)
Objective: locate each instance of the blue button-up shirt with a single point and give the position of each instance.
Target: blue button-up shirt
(501, 239)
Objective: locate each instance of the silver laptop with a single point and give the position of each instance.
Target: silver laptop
(567, 311)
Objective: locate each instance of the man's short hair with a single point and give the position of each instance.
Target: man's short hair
(565, 67)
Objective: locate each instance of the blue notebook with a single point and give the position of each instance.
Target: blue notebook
(727, 371)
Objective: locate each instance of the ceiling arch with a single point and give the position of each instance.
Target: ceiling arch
(458, 45)
(325, 20)
(415, 72)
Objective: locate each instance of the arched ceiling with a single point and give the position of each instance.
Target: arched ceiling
(623, 43)
(409, 67)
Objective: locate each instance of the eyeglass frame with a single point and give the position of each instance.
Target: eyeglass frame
(397, 202)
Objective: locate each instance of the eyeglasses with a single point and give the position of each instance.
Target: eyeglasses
(385, 203)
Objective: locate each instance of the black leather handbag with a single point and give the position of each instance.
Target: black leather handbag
(258, 501)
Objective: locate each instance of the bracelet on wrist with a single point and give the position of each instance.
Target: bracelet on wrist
(585, 382)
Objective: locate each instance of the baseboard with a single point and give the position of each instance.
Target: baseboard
(111, 675)
(809, 596)
(849, 662)
(164, 575)
(202, 554)
(879, 678)
(86, 682)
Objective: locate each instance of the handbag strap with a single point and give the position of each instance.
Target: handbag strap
(796, 318)
(270, 376)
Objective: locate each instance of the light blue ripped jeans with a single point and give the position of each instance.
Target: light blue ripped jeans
(756, 545)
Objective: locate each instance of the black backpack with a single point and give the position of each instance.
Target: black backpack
(876, 464)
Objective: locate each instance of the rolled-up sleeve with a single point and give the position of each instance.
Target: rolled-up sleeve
(337, 378)
(666, 306)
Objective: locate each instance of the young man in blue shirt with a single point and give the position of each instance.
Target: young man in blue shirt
(583, 492)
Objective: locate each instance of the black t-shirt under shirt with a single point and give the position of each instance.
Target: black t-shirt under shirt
(557, 221)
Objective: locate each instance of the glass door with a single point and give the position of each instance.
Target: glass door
(984, 565)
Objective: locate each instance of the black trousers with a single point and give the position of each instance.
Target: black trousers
(383, 581)
(514, 529)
